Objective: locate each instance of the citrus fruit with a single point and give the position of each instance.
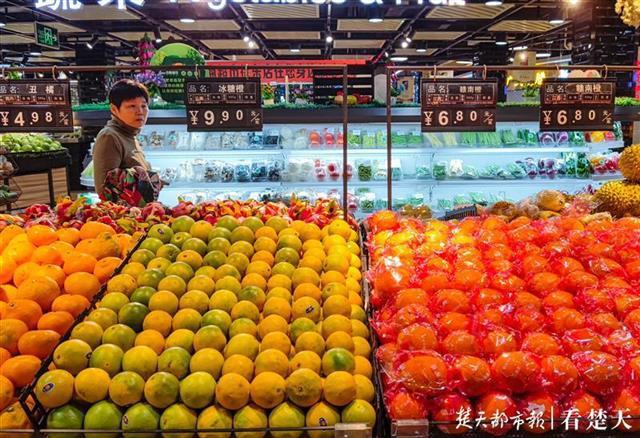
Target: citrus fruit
(279, 292)
(272, 360)
(359, 411)
(196, 300)
(243, 344)
(239, 364)
(358, 313)
(158, 320)
(337, 359)
(182, 224)
(54, 388)
(180, 269)
(299, 326)
(126, 388)
(268, 389)
(339, 388)
(209, 336)
(361, 346)
(242, 233)
(217, 317)
(245, 309)
(336, 323)
(277, 340)
(306, 359)
(254, 279)
(229, 283)
(358, 328)
(252, 294)
(307, 290)
(197, 390)
(175, 360)
(142, 360)
(121, 335)
(306, 307)
(168, 251)
(272, 323)
(189, 319)
(88, 331)
(182, 338)
(219, 244)
(140, 416)
(152, 244)
(103, 415)
(333, 289)
(250, 417)
(142, 256)
(207, 360)
(286, 415)
(164, 300)
(65, 417)
(178, 416)
(232, 391)
(243, 325)
(161, 390)
(215, 258)
(332, 277)
(72, 356)
(277, 223)
(310, 341)
(152, 339)
(214, 417)
(287, 255)
(223, 300)
(107, 357)
(190, 257)
(277, 306)
(239, 261)
(364, 388)
(202, 283)
(322, 414)
(219, 232)
(200, 230)
(264, 243)
(142, 295)
(132, 315)
(226, 270)
(207, 271)
(363, 367)
(304, 387)
(311, 262)
(113, 301)
(161, 232)
(336, 305)
(284, 268)
(340, 340)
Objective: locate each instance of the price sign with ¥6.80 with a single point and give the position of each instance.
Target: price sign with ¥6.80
(32, 105)
(224, 104)
(458, 105)
(577, 104)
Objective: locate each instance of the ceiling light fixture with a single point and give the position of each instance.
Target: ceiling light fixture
(252, 44)
(511, 59)
(246, 38)
(329, 38)
(92, 43)
(386, 54)
(34, 51)
(557, 17)
(404, 44)
(375, 14)
(407, 39)
(398, 58)
(295, 48)
(543, 55)
(422, 48)
(519, 48)
(501, 39)
(187, 20)
(493, 3)
(157, 35)
(2, 24)
(464, 62)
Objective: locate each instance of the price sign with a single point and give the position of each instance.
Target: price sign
(35, 105)
(224, 105)
(577, 105)
(458, 105)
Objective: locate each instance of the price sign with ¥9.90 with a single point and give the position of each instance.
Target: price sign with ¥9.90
(33, 105)
(577, 105)
(220, 104)
(457, 105)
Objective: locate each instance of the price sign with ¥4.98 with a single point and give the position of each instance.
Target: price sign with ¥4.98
(224, 104)
(577, 104)
(458, 105)
(33, 105)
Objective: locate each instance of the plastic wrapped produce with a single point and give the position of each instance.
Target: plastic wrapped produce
(546, 138)
(469, 172)
(256, 140)
(198, 141)
(143, 140)
(367, 202)
(381, 138)
(576, 138)
(507, 137)
(241, 140)
(444, 204)
(259, 171)
(368, 139)
(227, 172)
(449, 139)
(380, 173)
(329, 138)
(197, 168)
(547, 167)
(168, 174)
(414, 139)
(320, 170)
(423, 172)
(183, 173)
(354, 138)
(525, 136)
(488, 139)
(478, 198)
(226, 141)
(396, 170)
(399, 139)
(432, 140)
(212, 171)
(595, 136)
(315, 139)
(365, 170)
(398, 203)
(156, 140)
(440, 170)
(287, 137)
(468, 139)
(380, 204)
(455, 169)
(489, 172)
(617, 131)
(274, 170)
(271, 138)
(242, 171)
(416, 199)
(562, 138)
(171, 140)
(461, 199)
(516, 170)
(299, 169)
(334, 170)
(300, 139)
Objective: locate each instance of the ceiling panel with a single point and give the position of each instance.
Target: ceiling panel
(358, 44)
(522, 26)
(291, 35)
(365, 57)
(29, 27)
(15, 39)
(363, 25)
(282, 12)
(467, 12)
(60, 53)
(136, 36)
(96, 13)
(412, 52)
(437, 36)
(205, 25)
(225, 44)
(41, 60)
(245, 57)
(302, 52)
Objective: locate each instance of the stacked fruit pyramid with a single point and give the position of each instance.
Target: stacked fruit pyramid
(47, 278)
(239, 325)
(483, 319)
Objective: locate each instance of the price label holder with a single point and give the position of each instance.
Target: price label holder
(410, 429)
(352, 430)
(458, 105)
(575, 104)
(221, 104)
(35, 105)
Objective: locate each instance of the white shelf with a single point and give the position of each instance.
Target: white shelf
(512, 182)
(606, 176)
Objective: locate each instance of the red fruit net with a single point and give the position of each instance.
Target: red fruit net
(528, 325)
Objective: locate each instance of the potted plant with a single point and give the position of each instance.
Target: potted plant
(268, 94)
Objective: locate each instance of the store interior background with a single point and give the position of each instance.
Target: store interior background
(368, 37)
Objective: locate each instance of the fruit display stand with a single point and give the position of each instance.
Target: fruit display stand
(147, 277)
(474, 302)
(10, 191)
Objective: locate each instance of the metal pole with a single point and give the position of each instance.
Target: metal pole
(611, 68)
(389, 194)
(106, 68)
(345, 142)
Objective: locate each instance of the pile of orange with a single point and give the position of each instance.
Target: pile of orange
(47, 278)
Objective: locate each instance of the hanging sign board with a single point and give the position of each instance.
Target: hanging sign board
(224, 105)
(458, 105)
(46, 36)
(575, 104)
(35, 105)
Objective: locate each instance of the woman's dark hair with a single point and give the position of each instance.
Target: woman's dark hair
(127, 89)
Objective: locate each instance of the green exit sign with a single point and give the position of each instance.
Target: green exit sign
(47, 36)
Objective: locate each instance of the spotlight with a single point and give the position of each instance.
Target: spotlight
(519, 48)
(295, 48)
(187, 20)
(422, 48)
(329, 38)
(398, 58)
(501, 40)
(375, 14)
(493, 3)
(157, 35)
(404, 44)
(94, 40)
(34, 51)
